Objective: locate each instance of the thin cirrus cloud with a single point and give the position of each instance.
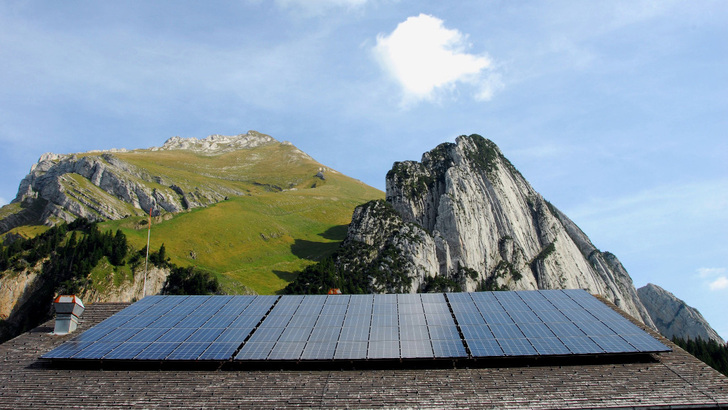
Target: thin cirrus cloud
(424, 56)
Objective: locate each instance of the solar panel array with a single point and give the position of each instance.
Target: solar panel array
(360, 327)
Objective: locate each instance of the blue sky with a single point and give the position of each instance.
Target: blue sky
(615, 111)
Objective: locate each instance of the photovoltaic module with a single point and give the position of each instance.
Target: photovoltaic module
(360, 327)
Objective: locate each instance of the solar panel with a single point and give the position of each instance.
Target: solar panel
(360, 327)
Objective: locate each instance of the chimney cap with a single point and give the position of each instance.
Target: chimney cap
(69, 304)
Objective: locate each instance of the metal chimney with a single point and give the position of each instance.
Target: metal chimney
(68, 310)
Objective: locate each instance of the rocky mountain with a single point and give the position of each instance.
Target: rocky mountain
(673, 317)
(463, 218)
(117, 184)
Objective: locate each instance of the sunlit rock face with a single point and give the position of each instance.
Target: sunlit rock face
(463, 218)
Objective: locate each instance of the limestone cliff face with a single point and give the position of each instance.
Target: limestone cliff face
(102, 186)
(673, 317)
(465, 214)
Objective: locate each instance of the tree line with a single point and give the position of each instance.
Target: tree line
(709, 352)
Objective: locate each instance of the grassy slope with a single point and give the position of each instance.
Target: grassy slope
(255, 241)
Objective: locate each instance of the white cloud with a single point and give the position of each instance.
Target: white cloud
(719, 284)
(3, 201)
(710, 272)
(423, 56)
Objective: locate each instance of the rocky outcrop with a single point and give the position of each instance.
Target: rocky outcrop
(465, 215)
(218, 144)
(102, 186)
(673, 317)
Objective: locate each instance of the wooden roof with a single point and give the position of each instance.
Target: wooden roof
(669, 380)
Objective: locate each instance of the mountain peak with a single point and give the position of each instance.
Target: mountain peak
(673, 317)
(217, 144)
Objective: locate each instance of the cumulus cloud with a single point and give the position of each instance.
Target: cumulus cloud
(719, 284)
(424, 56)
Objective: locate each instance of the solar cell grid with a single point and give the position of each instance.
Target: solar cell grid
(506, 331)
(436, 308)
(276, 320)
(384, 333)
(68, 349)
(354, 334)
(383, 349)
(517, 347)
(255, 350)
(351, 350)
(416, 349)
(524, 316)
(594, 328)
(267, 334)
(119, 335)
(459, 298)
(432, 297)
(295, 334)
(409, 299)
(443, 332)
(581, 345)
(411, 309)
(303, 320)
(439, 319)
(157, 351)
(319, 351)
(476, 332)
(219, 322)
(552, 316)
(139, 321)
(193, 321)
(244, 321)
(496, 316)
(448, 348)
(204, 335)
(188, 351)
(126, 350)
(384, 320)
(414, 333)
(613, 344)
(470, 318)
(549, 346)
(385, 299)
(484, 347)
(166, 321)
(176, 334)
(385, 309)
(324, 334)
(148, 335)
(359, 309)
(94, 334)
(319, 327)
(412, 320)
(96, 350)
(219, 351)
(338, 299)
(330, 320)
(334, 309)
(287, 351)
(535, 330)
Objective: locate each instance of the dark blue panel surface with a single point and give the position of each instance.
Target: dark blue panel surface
(360, 327)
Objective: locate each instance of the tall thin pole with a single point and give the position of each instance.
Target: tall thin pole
(146, 260)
